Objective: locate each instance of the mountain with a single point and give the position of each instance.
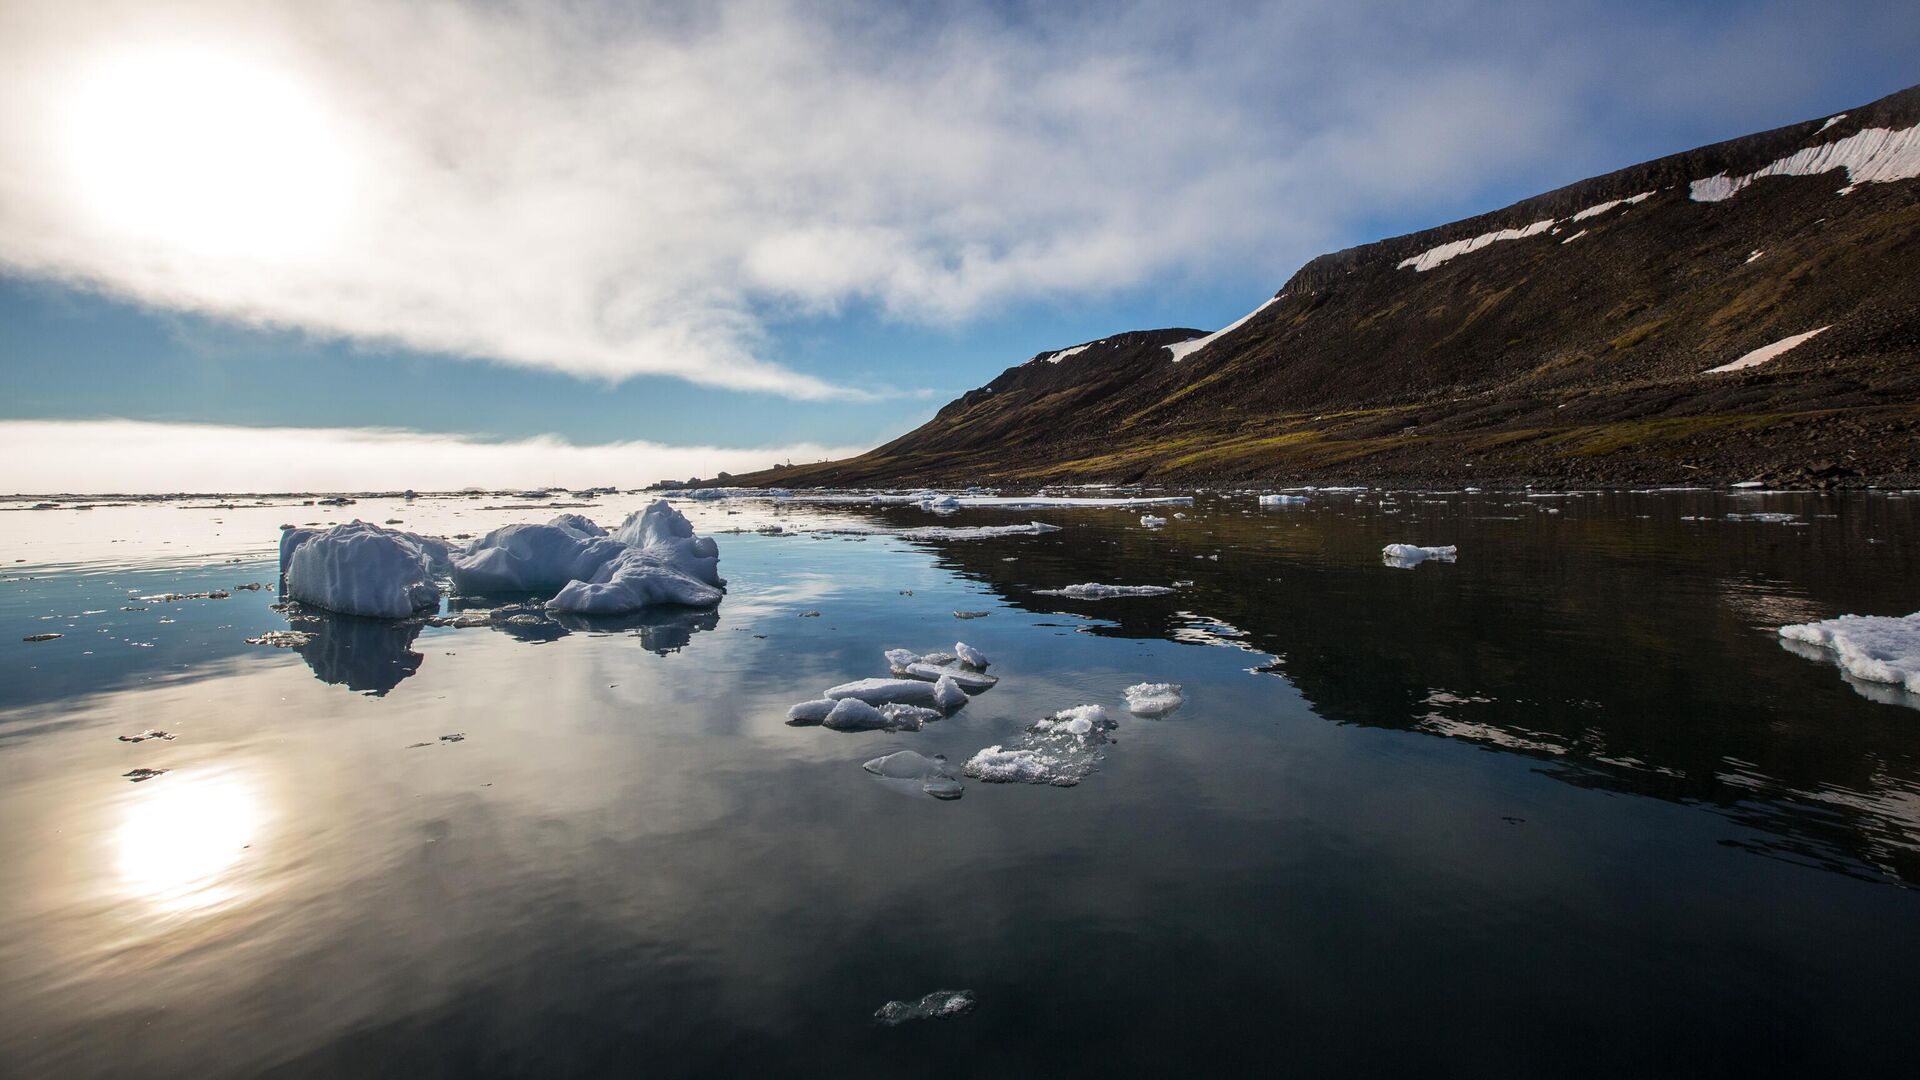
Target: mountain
(1746, 310)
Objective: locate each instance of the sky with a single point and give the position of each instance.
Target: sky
(444, 243)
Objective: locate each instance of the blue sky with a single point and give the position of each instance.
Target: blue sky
(754, 227)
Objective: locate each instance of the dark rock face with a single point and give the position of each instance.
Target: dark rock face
(1577, 348)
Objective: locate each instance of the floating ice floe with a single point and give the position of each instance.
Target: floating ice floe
(970, 656)
(939, 1005)
(1408, 556)
(1153, 698)
(1152, 522)
(1873, 648)
(1096, 591)
(931, 775)
(1283, 500)
(943, 694)
(361, 569)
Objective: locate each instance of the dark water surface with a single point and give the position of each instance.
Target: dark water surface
(1564, 807)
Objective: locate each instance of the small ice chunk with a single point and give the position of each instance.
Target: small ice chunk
(899, 659)
(943, 694)
(1283, 500)
(362, 569)
(904, 765)
(1152, 522)
(971, 681)
(1153, 698)
(852, 714)
(939, 1005)
(811, 712)
(970, 656)
(1408, 556)
(1873, 648)
(1096, 591)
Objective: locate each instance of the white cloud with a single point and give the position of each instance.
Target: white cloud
(624, 189)
(138, 457)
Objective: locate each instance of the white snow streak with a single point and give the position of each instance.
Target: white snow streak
(1870, 156)
(1181, 350)
(1766, 352)
(1433, 257)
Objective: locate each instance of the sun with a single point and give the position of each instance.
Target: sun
(201, 152)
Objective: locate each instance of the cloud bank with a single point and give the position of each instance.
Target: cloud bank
(140, 457)
(614, 190)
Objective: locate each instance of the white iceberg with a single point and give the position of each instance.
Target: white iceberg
(362, 569)
(654, 557)
(637, 578)
(1872, 648)
(1153, 698)
(532, 558)
(1408, 556)
(1096, 591)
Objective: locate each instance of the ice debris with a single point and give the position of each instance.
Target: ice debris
(1059, 750)
(970, 656)
(1872, 648)
(1283, 500)
(1152, 522)
(938, 1005)
(1095, 591)
(1408, 556)
(282, 639)
(1153, 698)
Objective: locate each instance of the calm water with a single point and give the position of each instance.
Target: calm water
(1564, 807)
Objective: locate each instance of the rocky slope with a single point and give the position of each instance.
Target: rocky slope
(1569, 337)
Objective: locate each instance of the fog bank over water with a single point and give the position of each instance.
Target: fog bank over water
(133, 457)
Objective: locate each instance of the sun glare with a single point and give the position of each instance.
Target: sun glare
(206, 153)
(180, 845)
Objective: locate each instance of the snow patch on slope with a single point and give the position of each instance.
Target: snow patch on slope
(1766, 352)
(1183, 349)
(1870, 156)
(1596, 211)
(1436, 256)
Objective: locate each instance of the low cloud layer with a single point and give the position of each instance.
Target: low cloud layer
(138, 457)
(632, 189)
